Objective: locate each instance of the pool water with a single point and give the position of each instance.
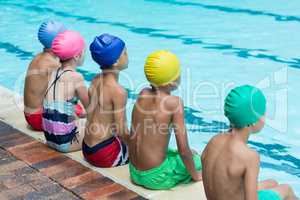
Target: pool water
(221, 44)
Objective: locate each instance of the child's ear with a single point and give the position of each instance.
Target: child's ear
(252, 128)
(116, 63)
(78, 57)
(173, 84)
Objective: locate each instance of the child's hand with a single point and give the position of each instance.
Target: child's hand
(198, 177)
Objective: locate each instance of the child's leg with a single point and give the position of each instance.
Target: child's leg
(77, 143)
(267, 184)
(285, 191)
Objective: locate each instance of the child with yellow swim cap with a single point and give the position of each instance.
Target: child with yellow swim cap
(230, 167)
(152, 164)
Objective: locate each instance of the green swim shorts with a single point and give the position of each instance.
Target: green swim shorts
(268, 195)
(166, 176)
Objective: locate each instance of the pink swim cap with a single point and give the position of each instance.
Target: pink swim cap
(68, 44)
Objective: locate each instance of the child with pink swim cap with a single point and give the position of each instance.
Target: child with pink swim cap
(63, 131)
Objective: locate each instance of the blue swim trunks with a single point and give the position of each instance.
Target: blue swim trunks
(268, 195)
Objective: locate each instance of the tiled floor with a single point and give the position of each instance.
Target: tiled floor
(31, 170)
(20, 181)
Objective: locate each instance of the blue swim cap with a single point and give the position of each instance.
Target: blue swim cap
(106, 50)
(48, 31)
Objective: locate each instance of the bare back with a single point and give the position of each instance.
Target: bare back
(224, 168)
(151, 120)
(100, 118)
(64, 89)
(36, 80)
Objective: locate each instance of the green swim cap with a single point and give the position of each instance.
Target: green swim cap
(244, 106)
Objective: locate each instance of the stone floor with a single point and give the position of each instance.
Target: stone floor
(31, 170)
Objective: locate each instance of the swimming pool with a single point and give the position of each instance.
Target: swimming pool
(221, 44)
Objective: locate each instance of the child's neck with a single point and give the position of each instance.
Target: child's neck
(241, 134)
(70, 64)
(111, 74)
(49, 51)
(161, 90)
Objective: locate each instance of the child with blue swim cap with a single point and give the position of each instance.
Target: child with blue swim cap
(106, 130)
(48, 31)
(38, 72)
(230, 167)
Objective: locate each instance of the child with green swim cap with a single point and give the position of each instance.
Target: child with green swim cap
(230, 167)
(152, 164)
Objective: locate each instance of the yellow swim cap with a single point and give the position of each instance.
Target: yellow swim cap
(162, 67)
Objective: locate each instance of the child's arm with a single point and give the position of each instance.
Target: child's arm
(252, 170)
(81, 90)
(119, 103)
(182, 141)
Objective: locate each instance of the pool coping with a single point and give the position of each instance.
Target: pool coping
(11, 112)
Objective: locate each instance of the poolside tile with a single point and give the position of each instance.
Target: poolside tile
(24, 171)
(24, 146)
(50, 162)
(60, 167)
(80, 179)
(3, 187)
(123, 194)
(11, 166)
(7, 138)
(53, 188)
(16, 193)
(4, 154)
(70, 172)
(15, 181)
(18, 176)
(33, 152)
(103, 192)
(63, 195)
(6, 158)
(16, 140)
(38, 157)
(45, 192)
(92, 185)
(40, 181)
(6, 129)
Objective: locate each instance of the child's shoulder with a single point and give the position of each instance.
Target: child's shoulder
(76, 76)
(251, 155)
(246, 154)
(96, 80)
(169, 100)
(146, 91)
(248, 157)
(217, 140)
(118, 90)
(174, 102)
(43, 61)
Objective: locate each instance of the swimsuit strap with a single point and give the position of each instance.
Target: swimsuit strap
(57, 77)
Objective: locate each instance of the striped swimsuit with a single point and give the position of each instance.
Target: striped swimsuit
(58, 119)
